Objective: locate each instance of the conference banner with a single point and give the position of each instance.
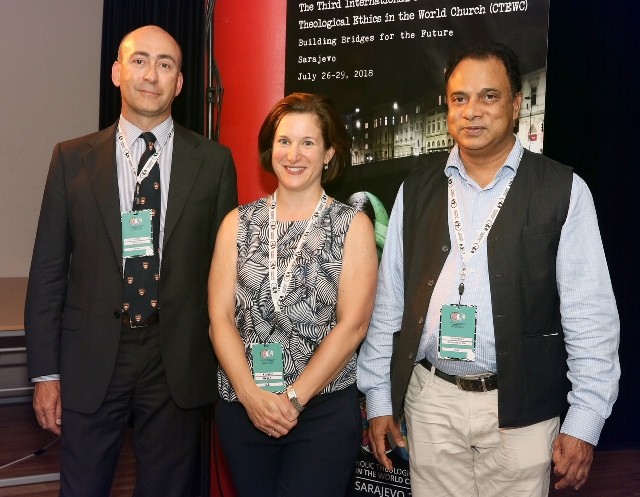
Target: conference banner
(382, 63)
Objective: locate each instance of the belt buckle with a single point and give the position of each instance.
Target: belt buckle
(460, 380)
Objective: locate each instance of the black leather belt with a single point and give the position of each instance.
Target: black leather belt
(153, 319)
(470, 383)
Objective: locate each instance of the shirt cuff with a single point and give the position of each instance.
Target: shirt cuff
(379, 403)
(49, 377)
(583, 424)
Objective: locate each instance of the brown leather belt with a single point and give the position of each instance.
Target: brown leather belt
(126, 320)
(470, 383)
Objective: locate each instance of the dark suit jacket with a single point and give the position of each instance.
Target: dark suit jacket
(74, 296)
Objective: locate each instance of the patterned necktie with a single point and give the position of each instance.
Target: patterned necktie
(141, 274)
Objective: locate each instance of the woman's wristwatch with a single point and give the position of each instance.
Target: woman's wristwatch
(293, 398)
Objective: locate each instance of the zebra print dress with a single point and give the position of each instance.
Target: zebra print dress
(308, 312)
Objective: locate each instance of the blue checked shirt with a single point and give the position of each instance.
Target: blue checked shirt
(587, 304)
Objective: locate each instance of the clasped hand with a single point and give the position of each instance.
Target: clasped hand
(271, 413)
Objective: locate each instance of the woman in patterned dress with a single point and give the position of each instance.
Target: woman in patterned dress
(291, 292)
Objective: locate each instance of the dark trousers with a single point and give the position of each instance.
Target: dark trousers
(316, 458)
(166, 439)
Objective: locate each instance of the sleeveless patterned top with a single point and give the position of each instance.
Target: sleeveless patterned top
(308, 311)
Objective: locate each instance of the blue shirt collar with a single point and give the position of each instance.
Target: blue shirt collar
(513, 161)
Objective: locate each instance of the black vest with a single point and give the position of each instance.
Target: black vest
(521, 250)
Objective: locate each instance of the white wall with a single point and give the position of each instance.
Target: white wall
(49, 92)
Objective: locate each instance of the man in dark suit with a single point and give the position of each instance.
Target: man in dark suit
(104, 349)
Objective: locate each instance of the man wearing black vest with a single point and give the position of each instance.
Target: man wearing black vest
(494, 311)
(116, 312)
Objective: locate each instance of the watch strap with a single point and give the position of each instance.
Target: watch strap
(293, 398)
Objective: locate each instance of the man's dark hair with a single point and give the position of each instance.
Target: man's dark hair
(487, 51)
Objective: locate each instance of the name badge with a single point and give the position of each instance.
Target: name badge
(457, 336)
(268, 366)
(137, 233)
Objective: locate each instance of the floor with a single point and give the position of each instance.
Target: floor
(613, 474)
(21, 437)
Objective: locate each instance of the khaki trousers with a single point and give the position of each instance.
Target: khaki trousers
(456, 448)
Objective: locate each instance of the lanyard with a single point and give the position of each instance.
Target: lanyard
(277, 294)
(459, 232)
(144, 172)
